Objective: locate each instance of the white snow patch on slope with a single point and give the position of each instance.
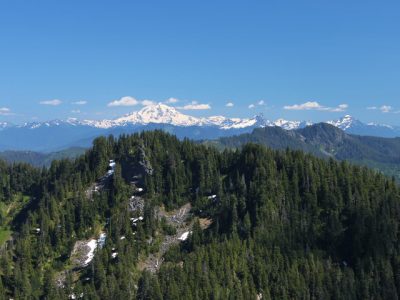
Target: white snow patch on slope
(102, 240)
(92, 244)
(344, 123)
(184, 236)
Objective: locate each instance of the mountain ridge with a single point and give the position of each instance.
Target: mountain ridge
(325, 140)
(163, 114)
(55, 135)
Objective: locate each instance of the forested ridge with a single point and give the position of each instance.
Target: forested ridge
(281, 224)
(39, 159)
(324, 140)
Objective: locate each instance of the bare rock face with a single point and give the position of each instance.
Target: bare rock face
(137, 166)
(136, 204)
(177, 219)
(82, 253)
(84, 250)
(144, 163)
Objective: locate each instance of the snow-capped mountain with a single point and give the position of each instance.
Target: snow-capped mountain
(345, 123)
(354, 126)
(167, 115)
(164, 114)
(158, 114)
(290, 125)
(58, 134)
(52, 123)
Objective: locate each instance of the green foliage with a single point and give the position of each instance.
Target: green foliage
(4, 235)
(284, 224)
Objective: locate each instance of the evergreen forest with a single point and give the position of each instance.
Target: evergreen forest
(149, 216)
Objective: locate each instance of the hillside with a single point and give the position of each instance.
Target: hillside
(149, 216)
(325, 140)
(39, 159)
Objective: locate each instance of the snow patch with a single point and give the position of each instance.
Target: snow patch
(111, 165)
(184, 236)
(134, 220)
(102, 240)
(344, 123)
(92, 244)
(73, 296)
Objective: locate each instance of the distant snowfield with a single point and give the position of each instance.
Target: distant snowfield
(163, 114)
(54, 135)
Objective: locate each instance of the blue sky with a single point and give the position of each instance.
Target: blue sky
(314, 60)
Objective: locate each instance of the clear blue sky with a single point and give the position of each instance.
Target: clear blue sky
(285, 53)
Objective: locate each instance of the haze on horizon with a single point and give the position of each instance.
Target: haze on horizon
(314, 60)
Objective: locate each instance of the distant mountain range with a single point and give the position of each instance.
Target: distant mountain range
(325, 140)
(58, 134)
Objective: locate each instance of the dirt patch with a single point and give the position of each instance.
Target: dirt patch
(179, 220)
(205, 223)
